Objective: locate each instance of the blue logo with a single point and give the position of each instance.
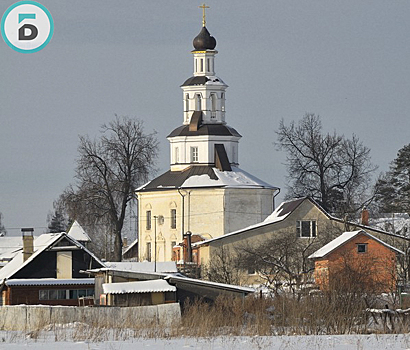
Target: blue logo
(27, 26)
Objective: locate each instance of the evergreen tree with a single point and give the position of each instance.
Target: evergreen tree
(393, 188)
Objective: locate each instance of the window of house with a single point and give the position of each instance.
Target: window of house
(148, 252)
(62, 294)
(173, 218)
(306, 228)
(148, 220)
(194, 154)
(362, 248)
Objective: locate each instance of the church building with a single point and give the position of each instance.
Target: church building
(204, 194)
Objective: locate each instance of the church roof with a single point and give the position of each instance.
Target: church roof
(204, 40)
(205, 129)
(200, 176)
(203, 80)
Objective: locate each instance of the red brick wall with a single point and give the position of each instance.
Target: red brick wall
(376, 267)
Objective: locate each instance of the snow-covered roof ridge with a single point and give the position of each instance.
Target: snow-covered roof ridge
(77, 232)
(151, 286)
(344, 238)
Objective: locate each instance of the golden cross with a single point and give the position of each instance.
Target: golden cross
(203, 7)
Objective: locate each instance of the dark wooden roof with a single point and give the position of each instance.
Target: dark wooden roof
(205, 129)
(175, 179)
(288, 207)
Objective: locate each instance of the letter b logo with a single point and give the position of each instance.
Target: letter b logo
(27, 26)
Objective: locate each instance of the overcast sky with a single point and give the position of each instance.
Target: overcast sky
(347, 61)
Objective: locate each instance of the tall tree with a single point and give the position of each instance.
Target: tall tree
(393, 187)
(331, 168)
(108, 171)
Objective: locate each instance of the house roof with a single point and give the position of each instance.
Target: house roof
(78, 233)
(127, 249)
(204, 176)
(145, 266)
(284, 210)
(9, 246)
(343, 239)
(41, 243)
(173, 279)
(152, 286)
(49, 281)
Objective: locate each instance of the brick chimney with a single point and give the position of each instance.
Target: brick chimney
(365, 217)
(28, 246)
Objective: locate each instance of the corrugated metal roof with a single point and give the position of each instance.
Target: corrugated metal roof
(49, 281)
(153, 286)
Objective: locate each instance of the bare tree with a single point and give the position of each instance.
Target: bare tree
(282, 261)
(108, 171)
(330, 168)
(223, 267)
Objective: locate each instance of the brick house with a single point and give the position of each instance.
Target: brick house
(357, 261)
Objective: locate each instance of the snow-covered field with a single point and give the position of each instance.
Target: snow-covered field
(17, 341)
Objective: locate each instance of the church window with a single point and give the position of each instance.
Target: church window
(209, 65)
(186, 102)
(202, 64)
(148, 220)
(213, 106)
(197, 102)
(173, 218)
(176, 155)
(194, 154)
(148, 252)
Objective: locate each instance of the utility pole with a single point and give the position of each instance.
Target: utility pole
(155, 243)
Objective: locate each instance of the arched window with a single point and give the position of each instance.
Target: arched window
(197, 102)
(186, 102)
(213, 106)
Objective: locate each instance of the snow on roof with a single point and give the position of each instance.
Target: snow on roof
(9, 246)
(78, 233)
(130, 246)
(152, 286)
(145, 266)
(41, 243)
(276, 216)
(237, 178)
(342, 239)
(173, 279)
(48, 281)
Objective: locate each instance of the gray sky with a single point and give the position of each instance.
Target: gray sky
(347, 61)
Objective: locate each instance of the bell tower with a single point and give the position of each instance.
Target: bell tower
(206, 137)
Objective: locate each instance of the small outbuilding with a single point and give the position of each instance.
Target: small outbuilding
(356, 260)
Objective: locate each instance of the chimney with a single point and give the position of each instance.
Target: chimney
(125, 242)
(28, 247)
(365, 217)
(187, 238)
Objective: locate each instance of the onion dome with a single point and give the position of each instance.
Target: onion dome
(204, 41)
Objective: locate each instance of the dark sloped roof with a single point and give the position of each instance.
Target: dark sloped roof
(221, 158)
(175, 179)
(206, 129)
(288, 207)
(200, 80)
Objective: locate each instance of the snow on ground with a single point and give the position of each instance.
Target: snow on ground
(14, 341)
